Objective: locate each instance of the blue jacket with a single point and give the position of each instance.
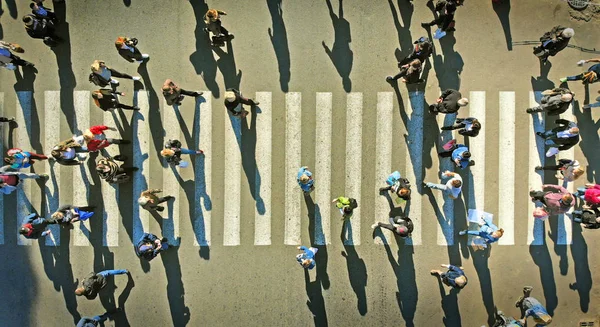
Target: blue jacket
(453, 273)
(307, 255)
(304, 171)
(457, 154)
(19, 163)
(87, 322)
(150, 253)
(486, 231)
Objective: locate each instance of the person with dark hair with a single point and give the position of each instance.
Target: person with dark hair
(397, 184)
(307, 258)
(531, 307)
(150, 246)
(455, 276)
(149, 201)
(554, 102)
(469, 126)
(400, 225)
(587, 217)
(34, 226)
(39, 28)
(38, 9)
(562, 137)
(9, 60)
(445, 19)
(459, 153)
(69, 153)
(18, 159)
(410, 73)
(128, 50)
(553, 42)
(346, 206)
(422, 50)
(10, 179)
(452, 187)
(174, 94)
(111, 172)
(107, 99)
(558, 200)
(448, 103)
(233, 99)
(68, 214)
(94, 282)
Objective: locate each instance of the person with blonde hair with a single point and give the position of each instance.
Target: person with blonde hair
(128, 50)
(68, 214)
(212, 19)
(149, 201)
(558, 200)
(570, 170)
(554, 102)
(18, 159)
(448, 103)
(305, 180)
(487, 230)
(102, 75)
(173, 151)
(174, 94)
(94, 139)
(455, 276)
(234, 100)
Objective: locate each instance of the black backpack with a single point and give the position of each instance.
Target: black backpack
(98, 80)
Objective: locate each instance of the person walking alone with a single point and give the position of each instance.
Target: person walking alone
(452, 187)
(455, 276)
(448, 103)
(102, 75)
(173, 151)
(112, 173)
(305, 180)
(400, 225)
(531, 307)
(233, 99)
(487, 230)
(128, 50)
(469, 126)
(212, 19)
(150, 246)
(553, 42)
(459, 153)
(557, 201)
(106, 100)
(149, 201)
(174, 94)
(397, 184)
(307, 258)
(94, 282)
(346, 206)
(554, 102)
(68, 214)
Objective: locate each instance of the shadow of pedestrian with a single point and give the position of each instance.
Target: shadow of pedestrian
(450, 306)
(248, 149)
(590, 141)
(583, 276)
(180, 313)
(315, 302)
(449, 64)
(340, 54)
(542, 83)
(12, 8)
(357, 272)
(541, 257)
(232, 77)
(406, 9)
(26, 99)
(155, 120)
(322, 258)
(502, 9)
(279, 40)
(480, 261)
(105, 260)
(121, 318)
(202, 59)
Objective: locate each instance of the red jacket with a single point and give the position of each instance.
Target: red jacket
(94, 144)
(592, 195)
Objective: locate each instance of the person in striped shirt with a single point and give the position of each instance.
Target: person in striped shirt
(111, 172)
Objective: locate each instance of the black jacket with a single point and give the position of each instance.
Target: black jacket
(41, 28)
(553, 41)
(564, 143)
(92, 284)
(108, 101)
(239, 99)
(449, 104)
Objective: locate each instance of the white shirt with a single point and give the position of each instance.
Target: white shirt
(568, 172)
(68, 154)
(454, 192)
(468, 126)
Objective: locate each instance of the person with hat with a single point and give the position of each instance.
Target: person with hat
(128, 50)
(469, 126)
(410, 73)
(149, 201)
(150, 246)
(452, 187)
(459, 153)
(448, 103)
(38, 9)
(553, 42)
(554, 102)
(455, 276)
(9, 60)
(487, 230)
(305, 180)
(307, 258)
(558, 200)
(212, 19)
(588, 77)
(346, 206)
(400, 225)
(102, 75)
(531, 307)
(18, 159)
(174, 94)
(173, 151)
(570, 170)
(34, 226)
(562, 137)
(590, 193)
(40, 28)
(94, 139)
(10, 179)
(397, 184)
(111, 172)
(107, 99)
(94, 282)
(233, 99)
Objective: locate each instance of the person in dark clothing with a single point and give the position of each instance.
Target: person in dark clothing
(564, 136)
(174, 94)
(173, 151)
(554, 102)
(410, 73)
(38, 28)
(93, 321)
(588, 217)
(111, 172)
(38, 9)
(68, 214)
(454, 277)
(589, 77)
(553, 42)
(212, 19)
(460, 154)
(422, 50)
(397, 184)
(94, 282)
(448, 103)
(469, 126)
(128, 50)
(149, 246)
(34, 226)
(445, 10)
(400, 225)
(233, 99)
(8, 59)
(102, 75)
(107, 99)
(68, 152)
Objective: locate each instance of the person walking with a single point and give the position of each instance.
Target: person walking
(212, 19)
(9, 60)
(305, 180)
(128, 50)
(68, 214)
(557, 201)
(40, 28)
(587, 217)
(469, 126)
(422, 50)
(149, 201)
(107, 99)
(307, 258)
(410, 73)
(173, 151)
(570, 170)
(448, 103)
(459, 153)
(397, 184)
(95, 139)
(69, 153)
(452, 187)
(590, 194)
(455, 276)
(531, 307)
(562, 137)
(553, 42)
(102, 75)
(111, 172)
(487, 230)
(94, 282)
(554, 102)
(346, 206)
(38, 9)
(174, 94)
(445, 20)
(10, 179)
(18, 159)
(233, 99)
(34, 226)
(94, 321)
(400, 225)
(150, 246)
(588, 77)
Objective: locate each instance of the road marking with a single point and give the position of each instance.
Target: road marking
(23, 141)
(262, 154)
(506, 175)
(170, 184)
(2, 137)
(141, 151)
(476, 174)
(110, 196)
(233, 175)
(445, 235)
(52, 114)
(565, 225)
(202, 174)
(323, 131)
(81, 173)
(535, 227)
(383, 157)
(414, 161)
(293, 144)
(354, 108)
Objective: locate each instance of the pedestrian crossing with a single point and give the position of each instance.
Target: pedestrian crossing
(411, 167)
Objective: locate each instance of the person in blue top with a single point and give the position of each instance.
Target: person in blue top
(454, 277)
(18, 158)
(397, 184)
(460, 155)
(305, 180)
(34, 226)
(38, 9)
(487, 230)
(307, 258)
(92, 321)
(149, 246)
(589, 77)
(531, 307)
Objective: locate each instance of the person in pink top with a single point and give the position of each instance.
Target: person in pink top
(590, 193)
(557, 200)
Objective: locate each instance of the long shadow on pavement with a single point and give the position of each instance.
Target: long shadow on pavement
(357, 271)
(155, 120)
(315, 302)
(278, 36)
(340, 54)
(203, 60)
(502, 9)
(180, 313)
(322, 258)
(248, 149)
(583, 276)
(541, 257)
(480, 261)
(450, 306)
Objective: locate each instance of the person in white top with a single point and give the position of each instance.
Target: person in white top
(452, 186)
(570, 170)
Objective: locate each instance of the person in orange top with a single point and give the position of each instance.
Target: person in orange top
(95, 139)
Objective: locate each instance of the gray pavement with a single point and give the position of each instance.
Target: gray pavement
(250, 285)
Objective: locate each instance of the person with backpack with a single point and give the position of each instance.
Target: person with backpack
(469, 126)
(40, 28)
(94, 139)
(400, 225)
(9, 60)
(111, 172)
(102, 75)
(150, 246)
(307, 258)
(34, 226)
(553, 42)
(174, 94)
(68, 214)
(455, 276)
(173, 151)
(448, 103)
(554, 102)
(233, 99)
(397, 184)
(128, 50)
(107, 99)
(18, 159)
(346, 206)
(410, 73)
(94, 282)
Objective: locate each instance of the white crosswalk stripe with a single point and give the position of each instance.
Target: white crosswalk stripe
(354, 106)
(110, 196)
(262, 188)
(141, 150)
(233, 175)
(170, 184)
(535, 228)
(293, 145)
(81, 174)
(23, 141)
(445, 235)
(506, 177)
(323, 168)
(52, 114)
(202, 173)
(565, 225)
(383, 158)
